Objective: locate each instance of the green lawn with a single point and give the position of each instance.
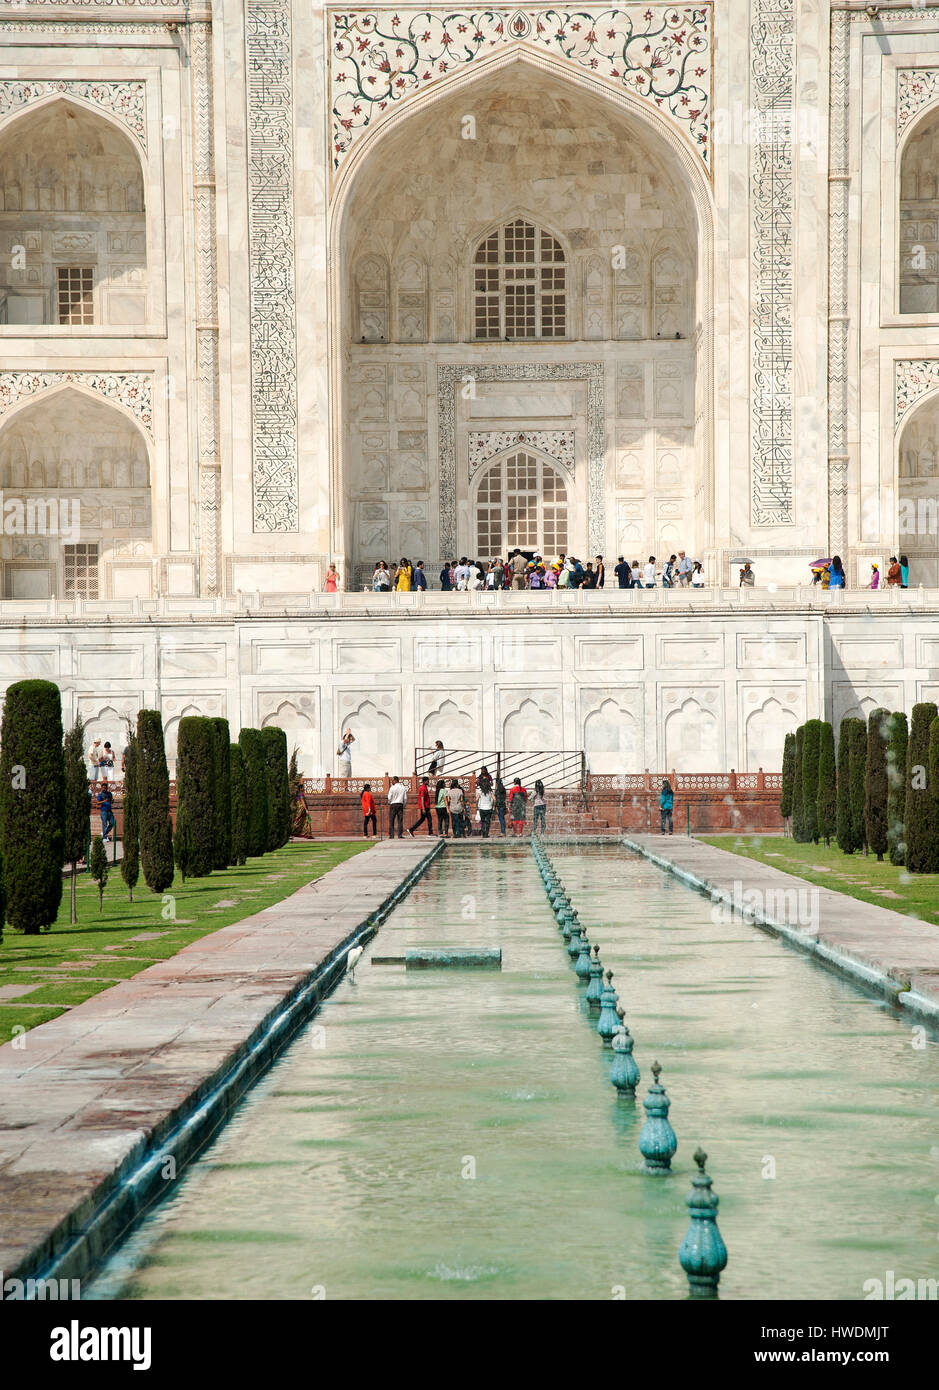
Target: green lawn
(857, 875)
(69, 964)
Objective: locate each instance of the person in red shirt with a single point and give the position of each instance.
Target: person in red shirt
(518, 802)
(423, 805)
(368, 810)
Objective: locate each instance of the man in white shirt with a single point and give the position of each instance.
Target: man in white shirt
(397, 798)
(648, 574)
(94, 757)
(461, 574)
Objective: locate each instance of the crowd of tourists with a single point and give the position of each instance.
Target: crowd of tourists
(102, 760)
(456, 817)
(532, 570)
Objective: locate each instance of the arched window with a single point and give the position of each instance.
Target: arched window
(519, 284)
(919, 220)
(521, 502)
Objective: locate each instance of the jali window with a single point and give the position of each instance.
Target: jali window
(75, 285)
(521, 501)
(519, 284)
(81, 570)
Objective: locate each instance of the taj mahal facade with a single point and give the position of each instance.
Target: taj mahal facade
(285, 286)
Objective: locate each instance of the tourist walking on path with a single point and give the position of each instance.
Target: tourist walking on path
(893, 573)
(456, 805)
(500, 796)
(623, 576)
(904, 572)
(875, 578)
(423, 805)
(519, 566)
(747, 577)
(381, 578)
(403, 576)
(485, 804)
(518, 802)
(539, 807)
(697, 575)
(106, 763)
(648, 574)
(438, 759)
(668, 573)
(369, 815)
(443, 815)
(397, 798)
(94, 758)
(420, 578)
(836, 577)
(635, 575)
(344, 753)
(484, 779)
(446, 583)
(683, 569)
(666, 802)
(332, 580)
(106, 809)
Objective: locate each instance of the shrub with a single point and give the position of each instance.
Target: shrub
(32, 803)
(920, 817)
(857, 767)
(896, 786)
(77, 806)
(845, 825)
(98, 867)
(798, 818)
(278, 794)
(195, 790)
(222, 736)
(183, 843)
(239, 805)
(826, 803)
(875, 782)
(252, 747)
(811, 744)
(153, 787)
(788, 771)
(130, 840)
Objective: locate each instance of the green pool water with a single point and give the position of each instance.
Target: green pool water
(453, 1135)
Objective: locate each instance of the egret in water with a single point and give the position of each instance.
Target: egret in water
(353, 956)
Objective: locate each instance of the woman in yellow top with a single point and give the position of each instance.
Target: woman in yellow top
(403, 576)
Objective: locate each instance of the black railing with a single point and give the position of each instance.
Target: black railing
(558, 769)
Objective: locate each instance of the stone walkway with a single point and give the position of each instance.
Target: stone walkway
(89, 1099)
(889, 951)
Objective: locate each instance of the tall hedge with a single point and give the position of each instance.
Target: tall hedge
(278, 788)
(788, 772)
(252, 747)
(875, 782)
(130, 839)
(896, 786)
(183, 843)
(239, 805)
(222, 735)
(827, 800)
(845, 825)
(153, 788)
(857, 753)
(195, 790)
(811, 745)
(921, 813)
(77, 806)
(32, 804)
(798, 818)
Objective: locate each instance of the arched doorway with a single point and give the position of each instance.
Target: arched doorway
(77, 523)
(918, 492)
(545, 281)
(918, 276)
(521, 502)
(83, 259)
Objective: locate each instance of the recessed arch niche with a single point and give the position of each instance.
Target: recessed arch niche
(918, 491)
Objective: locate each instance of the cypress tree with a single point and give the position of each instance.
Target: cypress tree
(921, 815)
(827, 802)
(788, 771)
(239, 805)
(811, 743)
(798, 819)
(195, 790)
(130, 840)
(222, 736)
(845, 825)
(275, 758)
(77, 806)
(857, 767)
(153, 787)
(98, 867)
(875, 782)
(183, 843)
(896, 786)
(32, 803)
(252, 747)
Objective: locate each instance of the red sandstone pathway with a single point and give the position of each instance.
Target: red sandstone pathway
(891, 944)
(90, 1091)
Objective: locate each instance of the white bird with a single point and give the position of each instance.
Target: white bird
(353, 956)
